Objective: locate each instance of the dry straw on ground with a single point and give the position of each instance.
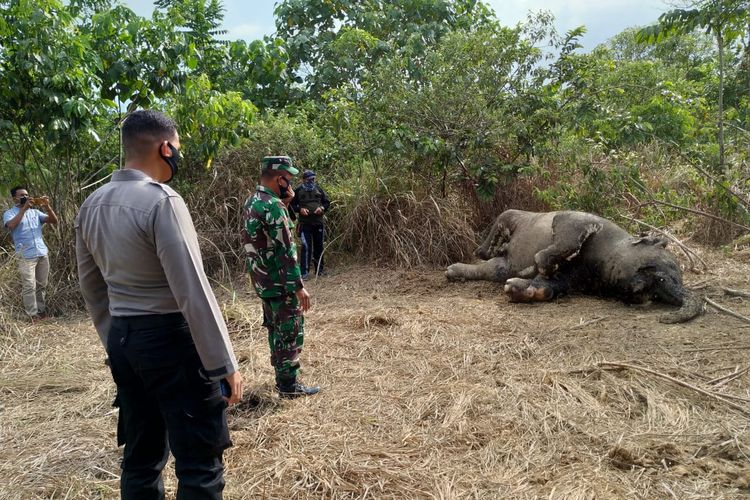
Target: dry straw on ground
(431, 390)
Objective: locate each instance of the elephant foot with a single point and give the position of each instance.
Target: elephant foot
(521, 290)
(453, 273)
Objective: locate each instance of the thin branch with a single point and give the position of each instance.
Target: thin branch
(106, 164)
(709, 394)
(727, 311)
(589, 322)
(735, 293)
(723, 377)
(688, 253)
(720, 348)
(732, 376)
(699, 212)
(705, 173)
(96, 182)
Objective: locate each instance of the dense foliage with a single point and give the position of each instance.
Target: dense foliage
(431, 98)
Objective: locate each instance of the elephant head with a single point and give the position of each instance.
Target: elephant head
(659, 279)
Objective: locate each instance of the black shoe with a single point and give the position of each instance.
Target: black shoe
(296, 390)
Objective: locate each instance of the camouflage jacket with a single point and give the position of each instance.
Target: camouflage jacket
(269, 246)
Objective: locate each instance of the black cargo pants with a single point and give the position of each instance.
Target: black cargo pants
(166, 402)
(312, 237)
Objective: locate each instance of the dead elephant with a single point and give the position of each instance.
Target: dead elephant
(540, 256)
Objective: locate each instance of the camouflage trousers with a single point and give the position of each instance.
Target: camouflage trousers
(286, 332)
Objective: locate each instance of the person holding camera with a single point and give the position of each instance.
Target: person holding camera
(311, 202)
(272, 265)
(142, 278)
(25, 225)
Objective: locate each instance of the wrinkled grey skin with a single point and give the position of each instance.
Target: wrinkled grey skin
(540, 256)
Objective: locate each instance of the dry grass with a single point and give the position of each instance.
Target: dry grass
(431, 390)
(406, 230)
(9, 288)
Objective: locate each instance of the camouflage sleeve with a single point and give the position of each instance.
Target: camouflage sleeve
(248, 228)
(285, 252)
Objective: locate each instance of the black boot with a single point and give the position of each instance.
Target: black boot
(291, 389)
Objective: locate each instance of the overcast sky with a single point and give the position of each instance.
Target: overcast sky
(252, 19)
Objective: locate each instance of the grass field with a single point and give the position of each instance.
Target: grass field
(430, 390)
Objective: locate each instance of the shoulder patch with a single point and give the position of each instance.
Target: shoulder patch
(164, 188)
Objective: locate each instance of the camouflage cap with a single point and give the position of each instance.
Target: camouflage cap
(271, 163)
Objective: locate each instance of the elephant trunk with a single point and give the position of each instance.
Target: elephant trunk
(692, 306)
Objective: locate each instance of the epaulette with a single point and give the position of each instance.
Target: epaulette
(164, 188)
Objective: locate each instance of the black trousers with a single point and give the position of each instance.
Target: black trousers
(311, 237)
(166, 402)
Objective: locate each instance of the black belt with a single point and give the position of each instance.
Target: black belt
(150, 320)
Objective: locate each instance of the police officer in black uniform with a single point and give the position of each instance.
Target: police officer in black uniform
(311, 203)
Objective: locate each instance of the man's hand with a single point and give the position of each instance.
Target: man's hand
(235, 382)
(29, 204)
(318, 210)
(304, 299)
(304, 212)
(45, 201)
(289, 196)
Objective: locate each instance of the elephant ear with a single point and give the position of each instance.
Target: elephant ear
(649, 240)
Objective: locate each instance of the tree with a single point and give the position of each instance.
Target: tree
(474, 113)
(201, 21)
(331, 42)
(724, 19)
(48, 90)
(258, 71)
(141, 60)
(209, 119)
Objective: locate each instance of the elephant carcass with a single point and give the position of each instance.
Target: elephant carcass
(540, 256)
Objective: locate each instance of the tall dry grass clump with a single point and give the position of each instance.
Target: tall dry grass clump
(63, 293)
(406, 230)
(517, 193)
(9, 288)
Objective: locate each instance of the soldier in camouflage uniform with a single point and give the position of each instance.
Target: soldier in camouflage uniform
(272, 265)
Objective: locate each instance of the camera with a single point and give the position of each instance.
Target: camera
(35, 201)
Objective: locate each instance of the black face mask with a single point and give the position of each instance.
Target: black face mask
(172, 161)
(22, 200)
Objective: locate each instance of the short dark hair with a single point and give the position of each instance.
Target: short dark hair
(15, 189)
(269, 174)
(144, 128)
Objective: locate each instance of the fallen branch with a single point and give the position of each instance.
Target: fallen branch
(698, 212)
(731, 377)
(712, 395)
(732, 396)
(726, 376)
(720, 348)
(735, 293)
(587, 323)
(726, 311)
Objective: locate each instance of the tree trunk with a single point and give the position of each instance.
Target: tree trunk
(720, 42)
(747, 66)
(119, 126)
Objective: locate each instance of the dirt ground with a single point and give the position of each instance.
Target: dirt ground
(430, 390)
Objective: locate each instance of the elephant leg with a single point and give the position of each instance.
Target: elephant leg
(569, 233)
(539, 289)
(491, 270)
(495, 243)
